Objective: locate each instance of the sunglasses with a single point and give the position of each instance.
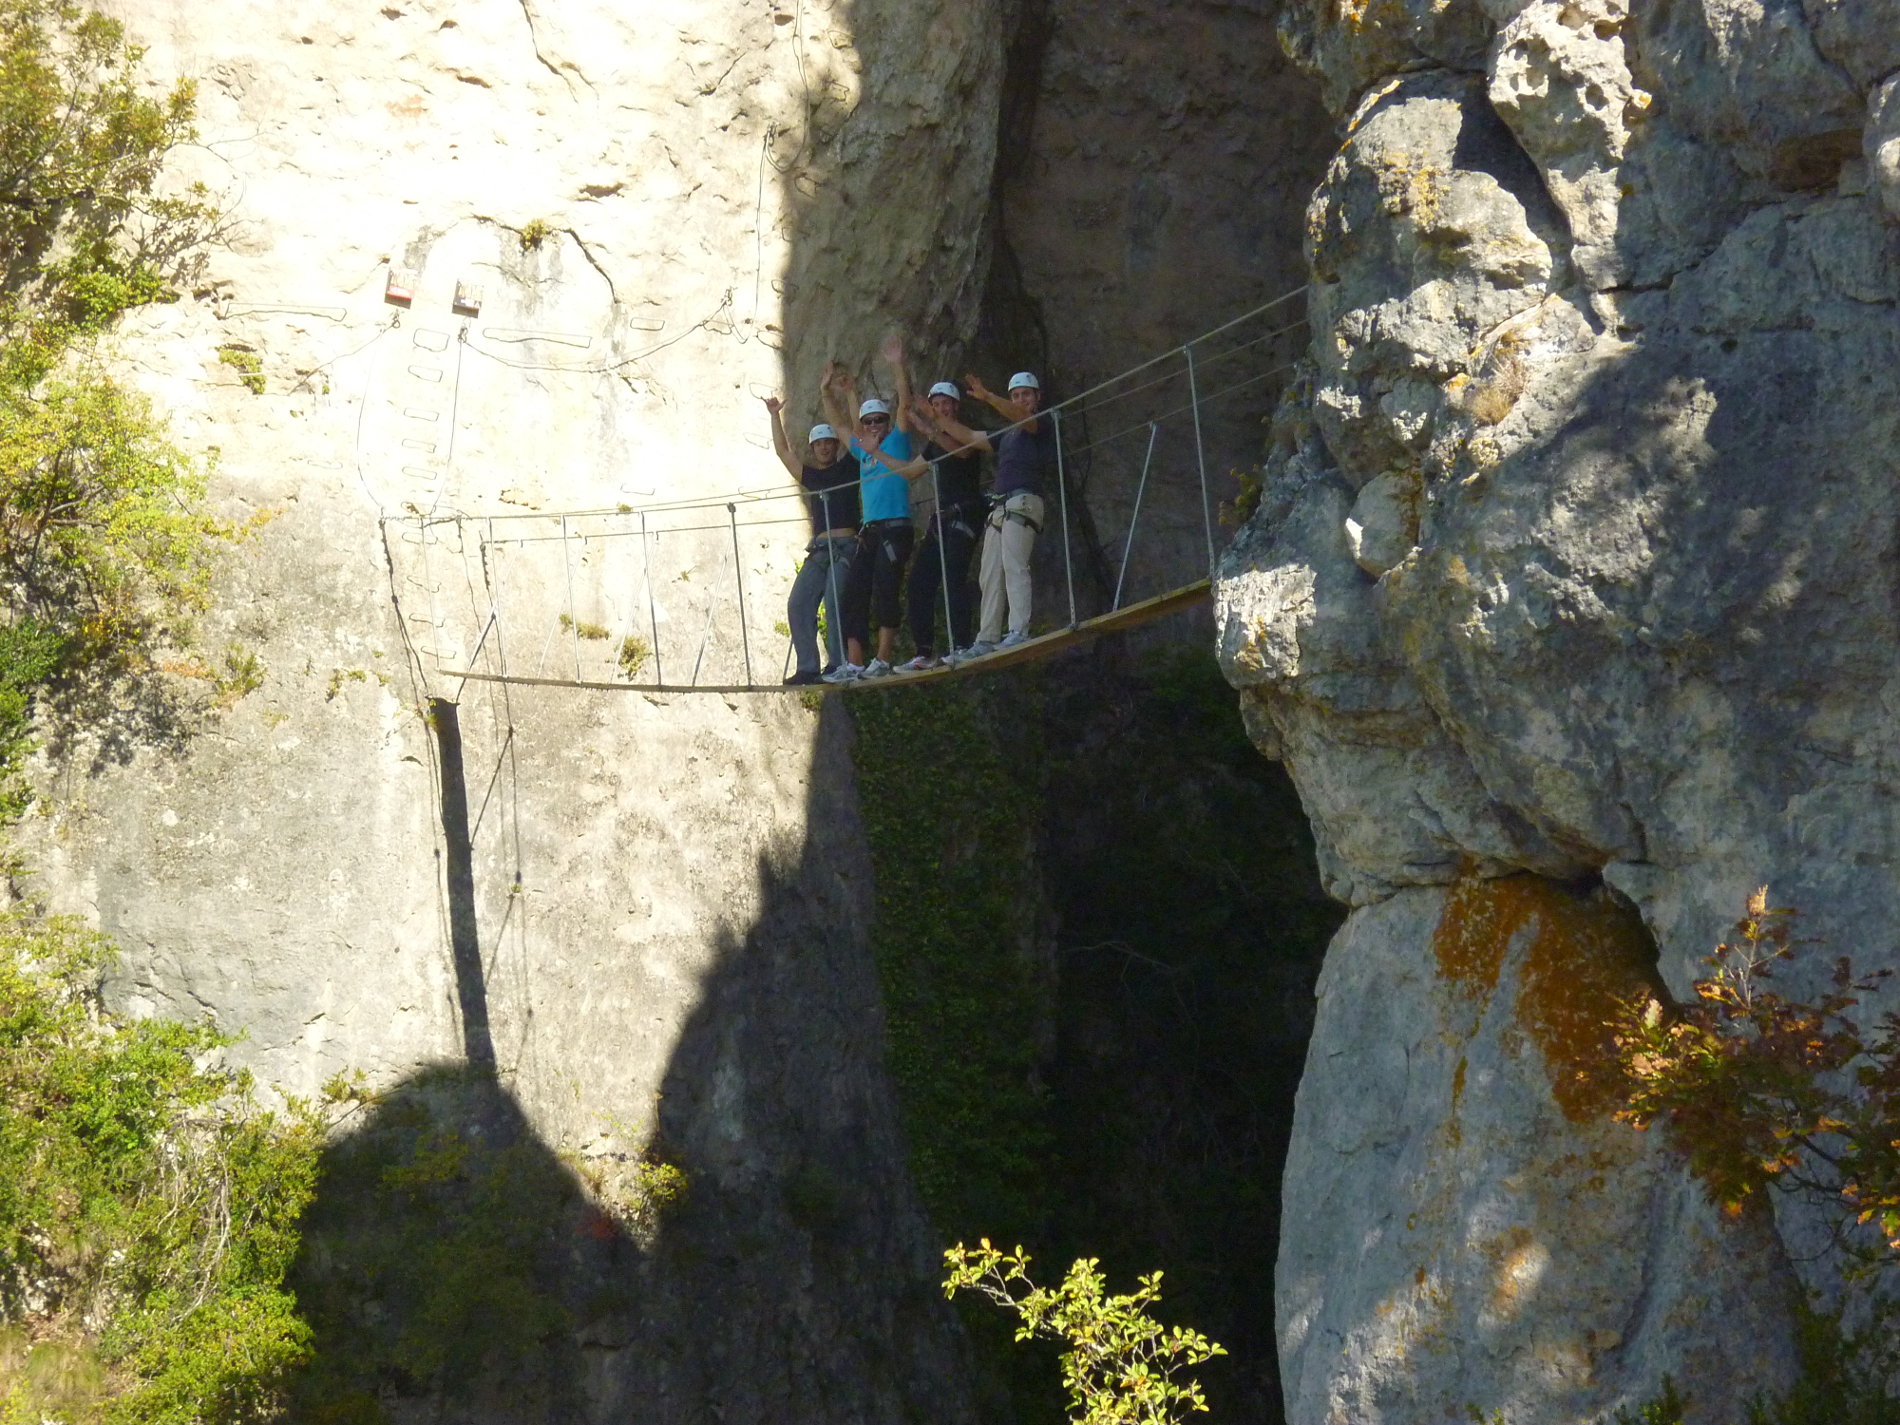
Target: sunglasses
(877, 420)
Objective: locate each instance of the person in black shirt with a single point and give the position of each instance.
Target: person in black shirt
(950, 537)
(830, 480)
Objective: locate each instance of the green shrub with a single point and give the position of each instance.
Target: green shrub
(1762, 1088)
(148, 1209)
(634, 653)
(449, 1254)
(1758, 1088)
(100, 545)
(248, 365)
(1843, 1375)
(1120, 1364)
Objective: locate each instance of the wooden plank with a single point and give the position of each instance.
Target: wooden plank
(1147, 611)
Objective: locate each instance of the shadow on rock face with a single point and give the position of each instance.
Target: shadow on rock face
(757, 1258)
(451, 1263)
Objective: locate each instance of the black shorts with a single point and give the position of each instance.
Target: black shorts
(891, 543)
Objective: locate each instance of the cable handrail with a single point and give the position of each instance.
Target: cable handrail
(492, 535)
(525, 539)
(785, 492)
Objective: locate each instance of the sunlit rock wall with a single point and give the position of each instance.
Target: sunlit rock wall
(618, 226)
(1575, 558)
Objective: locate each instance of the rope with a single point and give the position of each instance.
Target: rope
(783, 492)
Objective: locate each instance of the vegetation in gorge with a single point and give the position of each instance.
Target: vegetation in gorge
(148, 1208)
(948, 800)
(1092, 865)
(1120, 1365)
(448, 1252)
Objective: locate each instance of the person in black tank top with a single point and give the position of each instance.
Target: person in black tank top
(830, 481)
(940, 572)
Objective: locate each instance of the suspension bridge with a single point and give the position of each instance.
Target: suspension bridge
(673, 596)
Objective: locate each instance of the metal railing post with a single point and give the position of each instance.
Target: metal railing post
(1154, 429)
(943, 563)
(705, 636)
(1062, 491)
(738, 577)
(653, 610)
(573, 621)
(1200, 456)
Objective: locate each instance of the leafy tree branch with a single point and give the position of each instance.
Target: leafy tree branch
(1121, 1364)
(1760, 1088)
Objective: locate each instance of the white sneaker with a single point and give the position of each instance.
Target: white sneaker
(845, 673)
(982, 648)
(877, 668)
(920, 664)
(1013, 640)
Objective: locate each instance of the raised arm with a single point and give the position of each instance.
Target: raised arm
(831, 397)
(893, 350)
(952, 434)
(781, 443)
(1002, 406)
(852, 402)
(911, 469)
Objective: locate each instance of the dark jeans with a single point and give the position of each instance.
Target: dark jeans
(823, 577)
(959, 531)
(875, 590)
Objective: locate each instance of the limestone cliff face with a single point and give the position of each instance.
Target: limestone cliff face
(1576, 559)
(653, 207)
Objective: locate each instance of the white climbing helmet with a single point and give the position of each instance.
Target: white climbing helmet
(821, 431)
(874, 407)
(947, 388)
(1024, 378)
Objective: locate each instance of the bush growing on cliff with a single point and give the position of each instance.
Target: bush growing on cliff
(1759, 1088)
(101, 547)
(148, 1209)
(84, 230)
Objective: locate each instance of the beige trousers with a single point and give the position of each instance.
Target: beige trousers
(1007, 544)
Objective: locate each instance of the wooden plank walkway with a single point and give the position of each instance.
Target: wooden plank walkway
(1147, 611)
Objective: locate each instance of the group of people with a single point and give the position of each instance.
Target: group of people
(857, 476)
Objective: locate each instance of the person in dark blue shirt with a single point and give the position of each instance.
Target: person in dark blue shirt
(1025, 460)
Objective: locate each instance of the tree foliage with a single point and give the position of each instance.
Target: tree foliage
(102, 548)
(85, 231)
(148, 1209)
(1761, 1088)
(1121, 1364)
(97, 522)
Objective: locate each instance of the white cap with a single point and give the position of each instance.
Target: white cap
(873, 407)
(1025, 378)
(947, 388)
(820, 432)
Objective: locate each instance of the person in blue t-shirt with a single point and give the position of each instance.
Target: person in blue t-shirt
(881, 442)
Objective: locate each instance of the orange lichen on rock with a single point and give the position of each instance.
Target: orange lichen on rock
(1473, 930)
(1583, 953)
